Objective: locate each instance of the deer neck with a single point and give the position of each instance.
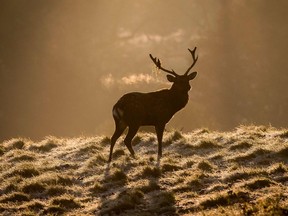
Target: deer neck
(179, 98)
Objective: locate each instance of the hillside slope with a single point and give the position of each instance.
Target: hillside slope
(243, 172)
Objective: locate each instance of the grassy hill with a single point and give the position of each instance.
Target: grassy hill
(243, 172)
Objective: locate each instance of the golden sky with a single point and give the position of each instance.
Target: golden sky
(63, 64)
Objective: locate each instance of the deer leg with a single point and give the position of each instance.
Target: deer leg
(159, 131)
(120, 127)
(128, 139)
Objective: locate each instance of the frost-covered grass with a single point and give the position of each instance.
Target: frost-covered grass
(242, 172)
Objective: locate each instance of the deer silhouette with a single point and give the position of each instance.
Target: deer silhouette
(137, 109)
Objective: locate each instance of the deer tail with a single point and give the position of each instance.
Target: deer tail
(117, 113)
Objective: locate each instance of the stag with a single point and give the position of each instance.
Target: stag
(137, 109)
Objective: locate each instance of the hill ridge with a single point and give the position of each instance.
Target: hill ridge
(241, 172)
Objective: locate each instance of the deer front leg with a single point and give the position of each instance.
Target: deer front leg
(159, 131)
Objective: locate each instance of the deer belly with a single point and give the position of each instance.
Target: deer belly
(141, 117)
(139, 109)
(156, 119)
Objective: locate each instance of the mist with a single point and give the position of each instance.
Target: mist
(63, 64)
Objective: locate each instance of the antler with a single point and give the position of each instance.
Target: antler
(158, 65)
(194, 60)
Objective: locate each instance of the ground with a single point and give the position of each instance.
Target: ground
(242, 172)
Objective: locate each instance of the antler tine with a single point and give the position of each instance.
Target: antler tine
(158, 65)
(194, 59)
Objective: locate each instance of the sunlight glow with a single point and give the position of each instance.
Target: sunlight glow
(109, 81)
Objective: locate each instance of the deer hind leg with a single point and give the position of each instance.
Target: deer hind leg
(159, 131)
(128, 139)
(120, 127)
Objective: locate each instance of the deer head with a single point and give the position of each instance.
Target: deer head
(180, 82)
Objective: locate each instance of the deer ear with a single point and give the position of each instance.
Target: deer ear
(170, 78)
(192, 75)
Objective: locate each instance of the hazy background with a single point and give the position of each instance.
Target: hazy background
(64, 63)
